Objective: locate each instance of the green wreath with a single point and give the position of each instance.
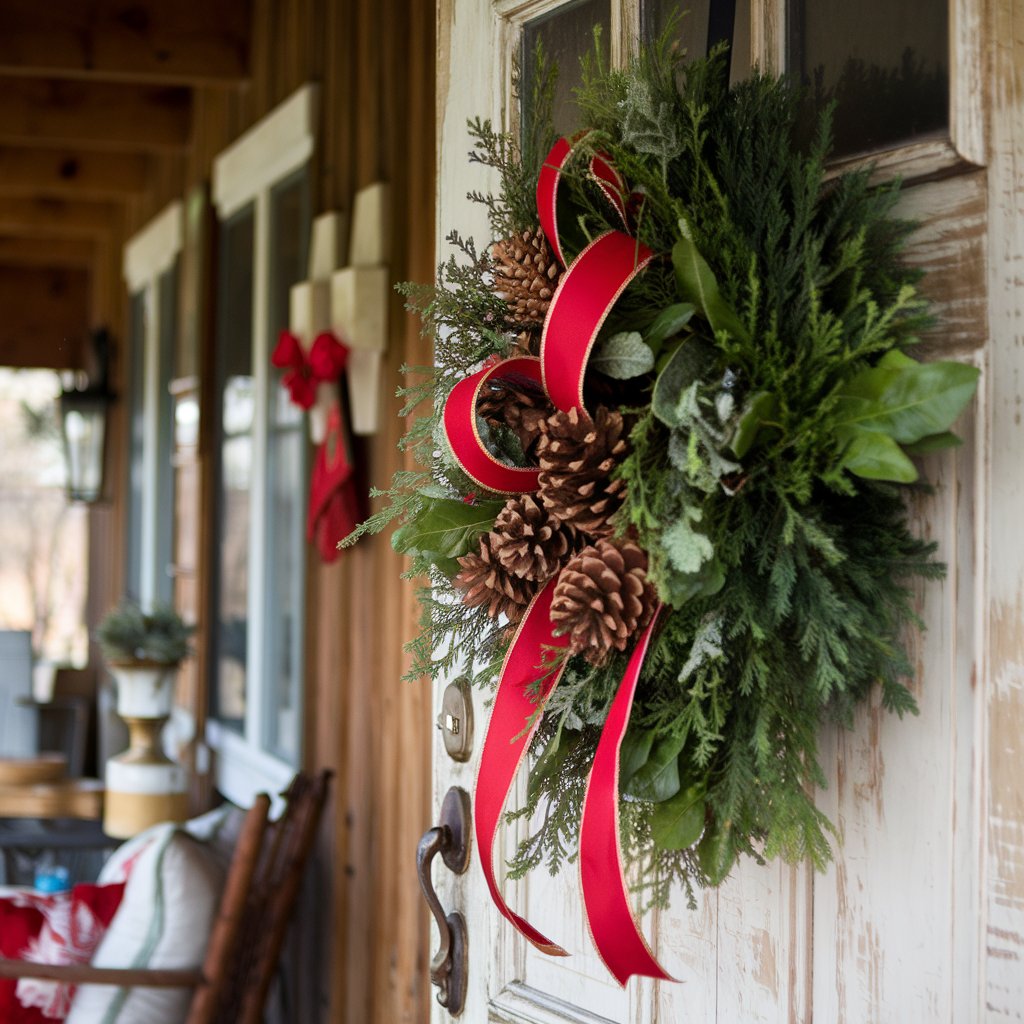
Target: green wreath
(755, 411)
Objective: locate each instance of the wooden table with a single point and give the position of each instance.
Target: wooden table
(38, 787)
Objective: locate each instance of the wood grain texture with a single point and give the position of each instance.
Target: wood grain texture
(45, 313)
(85, 174)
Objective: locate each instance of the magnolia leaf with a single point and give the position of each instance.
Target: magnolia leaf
(622, 356)
(677, 823)
(716, 854)
(934, 443)
(876, 456)
(446, 527)
(681, 372)
(658, 778)
(895, 359)
(633, 753)
(757, 409)
(907, 401)
(668, 323)
(697, 284)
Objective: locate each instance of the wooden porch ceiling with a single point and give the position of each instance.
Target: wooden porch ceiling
(96, 104)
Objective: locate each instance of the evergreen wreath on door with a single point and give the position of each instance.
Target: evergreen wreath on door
(662, 504)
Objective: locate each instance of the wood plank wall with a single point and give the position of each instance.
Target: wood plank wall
(375, 61)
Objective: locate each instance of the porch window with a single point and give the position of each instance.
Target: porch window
(151, 273)
(262, 193)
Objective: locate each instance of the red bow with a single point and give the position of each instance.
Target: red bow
(325, 362)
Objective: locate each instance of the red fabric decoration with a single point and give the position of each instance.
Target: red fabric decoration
(64, 928)
(335, 505)
(325, 362)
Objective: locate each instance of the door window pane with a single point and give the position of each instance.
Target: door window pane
(136, 436)
(692, 32)
(286, 481)
(885, 64)
(565, 35)
(235, 394)
(167, 289)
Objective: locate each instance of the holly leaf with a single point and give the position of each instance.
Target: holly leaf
(905, 399)
(445, 528)
(677, 823)
(698, 284)
(876, 456)
(658, 779)
(758, 409)
(668, 323)
(622, 356)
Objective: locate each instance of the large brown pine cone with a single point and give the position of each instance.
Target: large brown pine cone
(521, 409)
(602, 598)
(528, 542)
(577, 455)
(487, 582)
(525, 275)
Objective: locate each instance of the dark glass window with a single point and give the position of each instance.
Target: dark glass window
(136, 440)
(884, 64)
(167, 289)
(236, 400)
(564, 35)
(693, 29)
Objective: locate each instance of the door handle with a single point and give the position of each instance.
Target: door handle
(450, 839)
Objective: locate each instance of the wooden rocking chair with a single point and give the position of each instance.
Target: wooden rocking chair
(259, 895)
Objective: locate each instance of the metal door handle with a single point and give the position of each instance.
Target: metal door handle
(450, 839)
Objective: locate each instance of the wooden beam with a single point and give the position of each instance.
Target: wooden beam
(57, 218)
(53, 112)
(45, 317)
(83, 174)
(199, 43)
(46, 252)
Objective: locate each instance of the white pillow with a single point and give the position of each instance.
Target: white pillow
(164, 920)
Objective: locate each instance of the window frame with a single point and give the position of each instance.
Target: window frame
(275, 148)
(149, 256)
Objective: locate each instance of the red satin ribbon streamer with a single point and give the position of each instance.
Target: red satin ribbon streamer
(612, 922)
(587, 292)
(464, 438)
(508, 739)
(583, 299)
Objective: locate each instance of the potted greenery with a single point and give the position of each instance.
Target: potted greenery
(143, 651)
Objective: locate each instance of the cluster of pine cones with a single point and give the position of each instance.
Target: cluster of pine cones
(603, 595)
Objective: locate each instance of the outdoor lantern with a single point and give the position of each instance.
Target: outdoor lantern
(83, 415)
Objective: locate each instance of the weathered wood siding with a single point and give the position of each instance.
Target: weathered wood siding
(374, 60)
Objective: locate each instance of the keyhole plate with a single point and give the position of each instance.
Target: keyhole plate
(456, 719)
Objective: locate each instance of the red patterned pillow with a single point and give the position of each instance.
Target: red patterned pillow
(64, 928)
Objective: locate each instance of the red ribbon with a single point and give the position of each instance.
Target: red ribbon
(585, 295)
(326, 360)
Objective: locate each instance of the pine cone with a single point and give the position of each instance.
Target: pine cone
(528, 542)
(602, 598)
(525, 275)
(577, 455)
(486, 582)
(521, 409)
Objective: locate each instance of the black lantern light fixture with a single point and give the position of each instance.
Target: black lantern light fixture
(83, 415)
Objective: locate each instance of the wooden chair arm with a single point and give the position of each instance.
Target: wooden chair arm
(85, 974)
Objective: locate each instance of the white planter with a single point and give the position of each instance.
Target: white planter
(144, 691)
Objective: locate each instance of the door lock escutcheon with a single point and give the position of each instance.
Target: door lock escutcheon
(450, 839)
(456, 719)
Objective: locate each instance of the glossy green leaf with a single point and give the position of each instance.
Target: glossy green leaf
(668, 323)
(757, 409)
(622, 356)
(934, 443)
(716, 853)
(658, 779)
(677, 823)
(877, 456)
(633, 753)
(906, 400)
(697, 284)
(446, 527)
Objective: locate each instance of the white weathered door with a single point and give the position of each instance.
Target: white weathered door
(920, 919)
